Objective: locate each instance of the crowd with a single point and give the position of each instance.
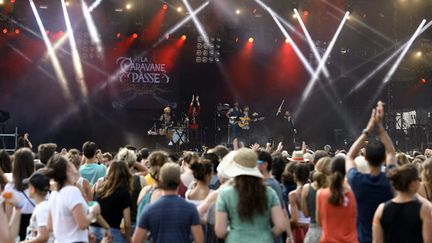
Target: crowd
(372, 193)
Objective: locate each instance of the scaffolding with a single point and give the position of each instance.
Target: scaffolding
(9, 135)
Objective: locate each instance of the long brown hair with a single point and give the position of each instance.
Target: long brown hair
(23, 167)
(252, 196)
(118, 175)
(337, 181)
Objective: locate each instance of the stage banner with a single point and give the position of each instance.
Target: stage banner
(145, 81)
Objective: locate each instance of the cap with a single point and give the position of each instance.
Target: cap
(39, 181)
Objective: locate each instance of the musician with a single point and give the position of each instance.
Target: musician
(244, 123)
(166, 118)
(287, 129)
(233, 114)
(193, 118)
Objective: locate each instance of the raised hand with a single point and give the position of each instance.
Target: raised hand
(255, 147)
(279, 147)
(193, 98)
(197, 98)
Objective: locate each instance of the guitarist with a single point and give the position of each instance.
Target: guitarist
(244, 123)
(233, 115)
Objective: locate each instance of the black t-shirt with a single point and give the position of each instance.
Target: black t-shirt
(112, 207)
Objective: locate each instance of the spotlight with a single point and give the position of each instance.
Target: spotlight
(238, 11)
(287, 41)
(167, 36)
(1, 2)
(12, 1)
(118, 35)
(254, 11)
(305, 13)
(17, 31)
(236, 39)
(128, 6)
(183, 37)
(134, 35)
(179, 9)
(5, 30)
(419, 54)
(165, 6)
(294, 16)
(251, 40)
(423, 81)
(67, 3)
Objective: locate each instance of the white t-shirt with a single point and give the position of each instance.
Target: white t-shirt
(61, 203)
(28, 203)
(38, 219)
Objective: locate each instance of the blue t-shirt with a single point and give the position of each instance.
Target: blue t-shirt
(92, 172)
(369, 192)
(169, 219)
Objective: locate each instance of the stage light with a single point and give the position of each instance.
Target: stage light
(128, 6)
(118, 35)
(294, 16)
(1, 2)
(5, 30)
(238, 11)
(167, 36)
(287, 41)
(134, 35)
(67, 3)
(17, 31)
(305, 13)
(423, 81)
(419, 54)
(251, 40)
(183, 37)
(165, 6)
(179, 9)
(254, 11)
(236, 39)
(12, 1)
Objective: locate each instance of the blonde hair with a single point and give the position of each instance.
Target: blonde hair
(127, 156)
(402, 159)
(426, 172)
(322, 172)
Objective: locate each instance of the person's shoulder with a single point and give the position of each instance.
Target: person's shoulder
(227, 189)
(42, 207)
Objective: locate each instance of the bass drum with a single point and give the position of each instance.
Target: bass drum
(180, 136)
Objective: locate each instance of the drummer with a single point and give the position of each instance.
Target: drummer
(166, 118)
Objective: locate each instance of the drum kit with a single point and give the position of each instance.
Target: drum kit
(176, 133)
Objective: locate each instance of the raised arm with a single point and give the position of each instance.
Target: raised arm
(359, 143)
(384, 137)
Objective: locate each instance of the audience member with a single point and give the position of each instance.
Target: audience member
(151, 192)
(46, 151)
(113, 195)
(299, 222)
(171, 218)
(6, 164)
(187, 159)
(9, 226)
(69, 216)
(91, 170)
(83, 184)
(37, 231)
(371, 189)
(308, 197)
(404, 218)
(425, 189)
(336, 207)
(248, 205)
(23, 168)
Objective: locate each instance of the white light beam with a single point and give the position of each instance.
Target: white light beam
(197, 22)
(94, 35)
(404, 52)
(79, 73)
(311, 43)
(52, 55)
(321, 64)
